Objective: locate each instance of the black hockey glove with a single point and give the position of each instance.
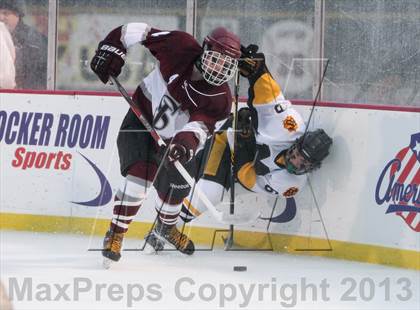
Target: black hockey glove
(245, 123)
(252, 64)
(108, 60)
(246, 149)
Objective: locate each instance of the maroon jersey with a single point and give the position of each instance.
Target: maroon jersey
(170, 99)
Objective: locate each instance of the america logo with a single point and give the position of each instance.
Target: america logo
(398, 184)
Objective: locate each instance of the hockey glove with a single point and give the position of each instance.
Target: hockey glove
(182, 148)
(245, 150)
(251, 64)
(108, 60)
(245, 123)
(179, 152)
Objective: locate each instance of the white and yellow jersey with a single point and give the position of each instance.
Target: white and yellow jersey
(279, 125)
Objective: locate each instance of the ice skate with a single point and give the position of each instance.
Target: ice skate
(153, 244)
(111, 250)
(169, 234)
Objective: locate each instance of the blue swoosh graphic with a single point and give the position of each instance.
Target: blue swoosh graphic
(287, 215)
(105, 194)
(401, 208)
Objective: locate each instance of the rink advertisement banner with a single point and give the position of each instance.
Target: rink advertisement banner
(398, 184)
(59, 161)
(57, 152)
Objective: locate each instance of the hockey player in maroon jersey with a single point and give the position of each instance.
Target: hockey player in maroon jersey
(183, 97)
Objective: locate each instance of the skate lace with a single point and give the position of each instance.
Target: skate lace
(116, 243)
(180, 240)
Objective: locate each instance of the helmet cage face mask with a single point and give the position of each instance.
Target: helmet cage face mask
(217, 68)
(296, 162)
(307, 152)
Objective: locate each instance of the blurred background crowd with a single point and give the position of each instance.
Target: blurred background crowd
(373, 46)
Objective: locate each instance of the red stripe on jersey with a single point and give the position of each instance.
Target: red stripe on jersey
(144, 104)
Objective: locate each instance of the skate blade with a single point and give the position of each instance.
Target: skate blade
(106, 263)
(149, 250)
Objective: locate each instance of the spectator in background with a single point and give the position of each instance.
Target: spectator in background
(7, 59)
(31, 46)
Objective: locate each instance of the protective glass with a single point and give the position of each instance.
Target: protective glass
(217, 68)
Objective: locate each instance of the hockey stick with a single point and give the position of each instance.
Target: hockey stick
(229, 240)
(218, 215)
(316, 97)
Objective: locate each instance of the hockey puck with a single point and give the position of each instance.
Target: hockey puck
(239, 268)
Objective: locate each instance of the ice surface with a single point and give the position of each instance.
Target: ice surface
(57, 266)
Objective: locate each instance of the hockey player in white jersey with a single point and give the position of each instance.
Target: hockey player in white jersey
(273, 151)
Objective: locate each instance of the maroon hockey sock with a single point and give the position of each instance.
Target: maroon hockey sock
(123, 215)
(168, 209)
